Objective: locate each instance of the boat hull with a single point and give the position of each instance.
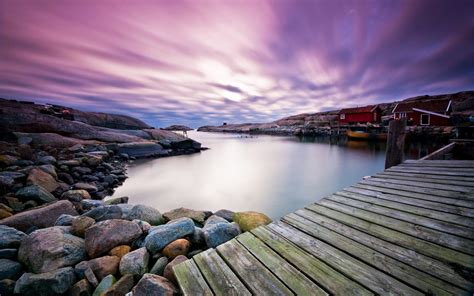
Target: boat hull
(366, 136)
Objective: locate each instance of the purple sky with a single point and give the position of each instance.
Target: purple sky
(204, 62)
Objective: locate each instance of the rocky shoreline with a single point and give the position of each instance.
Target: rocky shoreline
(58, 234)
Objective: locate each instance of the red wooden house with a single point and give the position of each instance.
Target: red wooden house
(433, 112)
(371, 113)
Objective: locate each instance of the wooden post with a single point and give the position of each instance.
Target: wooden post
(395, 142)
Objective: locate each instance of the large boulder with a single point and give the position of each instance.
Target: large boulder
(145, 213)
(142, 149)
(55, 282)
(36, 193)
(40, 217)
(43, 179)
(51, 248)
(10, 237)
(104, 236)
(226, 214)
(101, 266)
(250, 220)
(135, 262)
(9, 269)
(154, 285)
(162, 235)
(198, 216)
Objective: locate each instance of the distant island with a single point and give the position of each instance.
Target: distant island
(460, 105)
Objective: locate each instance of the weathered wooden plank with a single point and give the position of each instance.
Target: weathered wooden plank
(437, 192)
(466, 203)
(432, 172)
(427, 264)
(401, 271)
(439, 225)
(431, 176)
(324, 275)
(190, 279)
(467, 212)
(364, 274)
(436, 168)
(431, 213)
(399, 238)
(256, 277)
(422, 184)
(292, 277)
(220, 277)
(437, 237)
(452, 163)
(425, 178)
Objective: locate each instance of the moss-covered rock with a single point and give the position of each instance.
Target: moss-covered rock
(250, 220)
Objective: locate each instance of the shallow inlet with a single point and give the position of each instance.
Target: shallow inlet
(270, 174)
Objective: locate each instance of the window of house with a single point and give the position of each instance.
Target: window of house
(425, 119)
(343, 116)
(403, 115)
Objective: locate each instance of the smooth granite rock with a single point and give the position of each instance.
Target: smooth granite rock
(120, 251)
(64, 220)
(135, 262)
(162, 235)
(102, 266)
(45, 180)
(159, 266)
(51, 248)
(10, 237)
(40, 217)
(80, 225)
(8, 253)
(81, 288)
(36, 193)
(103, 213)
(154, 285)
(9, 269)
(178, 247)
(198, 216)
(104, 236)
(121, 287)
(214, 220)
(55, 282)
(226, 214)
(105, 284)
(146, 213)
(220, 233)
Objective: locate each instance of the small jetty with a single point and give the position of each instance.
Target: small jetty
(408, 230)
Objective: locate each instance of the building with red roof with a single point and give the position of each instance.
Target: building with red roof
(432, 112)
(366, 114)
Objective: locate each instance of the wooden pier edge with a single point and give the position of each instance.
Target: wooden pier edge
(407, 231)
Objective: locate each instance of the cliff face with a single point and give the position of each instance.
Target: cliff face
(319, 123)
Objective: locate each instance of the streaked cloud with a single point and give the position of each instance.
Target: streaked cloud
(204, 62)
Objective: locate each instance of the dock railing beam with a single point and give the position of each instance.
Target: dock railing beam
(395, 142)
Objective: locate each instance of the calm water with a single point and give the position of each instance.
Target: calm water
(274, 175)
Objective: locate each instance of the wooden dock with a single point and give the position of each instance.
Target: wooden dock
(406, 231)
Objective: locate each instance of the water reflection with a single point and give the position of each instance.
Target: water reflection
(274, 175)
